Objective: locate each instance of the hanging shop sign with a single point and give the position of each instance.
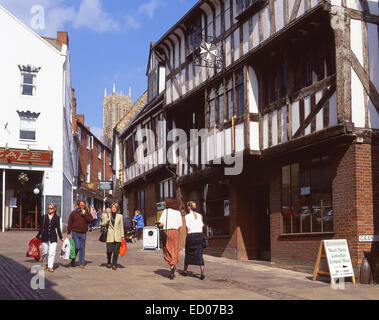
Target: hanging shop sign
(105, 185)
(338, 263)
(24, 156)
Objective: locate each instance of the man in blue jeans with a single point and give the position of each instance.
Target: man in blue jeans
(77, 229)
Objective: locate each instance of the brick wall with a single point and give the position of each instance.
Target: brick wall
(91, 156)
(355, 190)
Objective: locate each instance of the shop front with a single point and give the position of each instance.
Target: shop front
(22, 202)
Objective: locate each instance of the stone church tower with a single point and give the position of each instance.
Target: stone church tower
(114, 108)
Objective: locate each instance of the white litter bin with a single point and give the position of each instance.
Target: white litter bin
(150, 238)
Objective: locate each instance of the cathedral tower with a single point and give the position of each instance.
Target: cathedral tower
(115, 106)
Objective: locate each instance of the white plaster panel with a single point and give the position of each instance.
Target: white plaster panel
(253, 91)
(333, 110)
(307, 111)
(357, 101)
(295, 116)
(228, 51)
(373, 115)
(240, 137)
(246, 37)
(266, 22)
(279, 14)
(274, 128)
(236, 39)
(354, 4)
(373, 53)
(255, 30)
(356, 39)
(374, 7)
(284, 124)
(254, 135)
(265, 131)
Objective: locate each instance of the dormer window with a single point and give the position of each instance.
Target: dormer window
(28, 79)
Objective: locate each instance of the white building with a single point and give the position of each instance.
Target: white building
(35, 125)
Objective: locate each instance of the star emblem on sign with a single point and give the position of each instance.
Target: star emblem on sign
(208, 51)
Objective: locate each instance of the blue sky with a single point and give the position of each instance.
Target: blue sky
(109, 42)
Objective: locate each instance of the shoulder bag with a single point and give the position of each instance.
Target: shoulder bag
(204, 241)
(163, 234)
(103, 233)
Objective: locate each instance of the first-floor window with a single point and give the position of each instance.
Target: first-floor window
(166, 189)
(215, 208)
(307, 196)
(27, 129)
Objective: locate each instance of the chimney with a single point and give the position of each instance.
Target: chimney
(114, 88)
(105, 92)
(87, 126)
(62, 37)
(130, 92)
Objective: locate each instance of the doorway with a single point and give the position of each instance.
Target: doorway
(263, 223)
(23, 207)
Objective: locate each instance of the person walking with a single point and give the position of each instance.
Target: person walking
(94, 218)
(99, 214)
(193, 248)
(77, 228)
(49, 228)
(115, 234)
(140, 224)
(171, 221)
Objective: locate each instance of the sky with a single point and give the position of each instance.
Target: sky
(109, 42)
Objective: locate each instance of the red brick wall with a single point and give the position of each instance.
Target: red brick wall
(355, 188)
(91, 157)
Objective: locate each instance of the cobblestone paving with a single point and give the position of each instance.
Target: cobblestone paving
(143, 275)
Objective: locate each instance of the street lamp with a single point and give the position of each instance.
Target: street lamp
(36, 190)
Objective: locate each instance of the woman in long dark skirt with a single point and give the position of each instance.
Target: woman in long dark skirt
(194, 249)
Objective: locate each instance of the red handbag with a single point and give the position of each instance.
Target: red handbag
(33, 250)
(123, 248)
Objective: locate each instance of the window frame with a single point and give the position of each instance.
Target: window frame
(32, 85)
(324, 164)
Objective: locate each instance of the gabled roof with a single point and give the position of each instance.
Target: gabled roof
(2, 9)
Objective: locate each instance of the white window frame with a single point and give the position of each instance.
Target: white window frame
(33, 85)
(99, 151)
(88, 173)
(34, 121)
(99, 175)
(89, 142)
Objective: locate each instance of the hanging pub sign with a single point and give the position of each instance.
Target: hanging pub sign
(208, 51)
(334, 260)
(24, 156)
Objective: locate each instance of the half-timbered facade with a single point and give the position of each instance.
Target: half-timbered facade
(289, 89)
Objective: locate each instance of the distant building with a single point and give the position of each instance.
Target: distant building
(115, 107)
(94, 165)
(37, 152)
(117, 149)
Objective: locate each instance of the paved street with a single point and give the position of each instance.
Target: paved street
(143, 275)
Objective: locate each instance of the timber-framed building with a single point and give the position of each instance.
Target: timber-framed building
(292, 91)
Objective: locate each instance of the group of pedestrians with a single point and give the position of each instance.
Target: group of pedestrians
(81, 218)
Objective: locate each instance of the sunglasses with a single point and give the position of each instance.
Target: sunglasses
(51, 208)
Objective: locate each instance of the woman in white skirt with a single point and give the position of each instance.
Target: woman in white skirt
(50, 226)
